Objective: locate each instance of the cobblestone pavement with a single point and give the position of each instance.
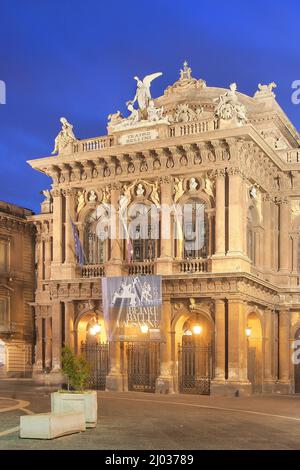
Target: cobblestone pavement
(173, 422)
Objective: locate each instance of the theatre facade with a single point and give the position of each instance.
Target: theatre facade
(230, 314)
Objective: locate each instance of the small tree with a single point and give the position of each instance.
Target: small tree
(76, 369)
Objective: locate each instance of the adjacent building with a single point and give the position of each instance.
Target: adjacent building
(231, 307)
(17, 290)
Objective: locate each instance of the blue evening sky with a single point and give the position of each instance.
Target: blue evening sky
(77, 59)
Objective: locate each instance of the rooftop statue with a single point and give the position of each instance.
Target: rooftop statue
(145, 113)
(228, 106)
(186, 81)
(265, 90)
(186, 72)
(143, 95)
(65, 137)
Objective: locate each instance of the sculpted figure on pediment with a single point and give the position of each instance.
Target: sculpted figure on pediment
(80, 200)
(265, 90)
(178, 188)
(185, 82)
(184, 113)
(64, 138)
(228, 106)
(145, 113)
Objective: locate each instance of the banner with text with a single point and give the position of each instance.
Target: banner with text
(131, 305)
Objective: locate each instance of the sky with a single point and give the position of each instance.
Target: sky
(78, 58)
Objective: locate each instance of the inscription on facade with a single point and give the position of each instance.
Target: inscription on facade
(135, 137)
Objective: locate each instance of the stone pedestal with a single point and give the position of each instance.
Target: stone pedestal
(115, 379)
(164, 384)
(164, 266)
(114, 383)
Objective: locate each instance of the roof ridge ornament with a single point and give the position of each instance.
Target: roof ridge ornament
(265, 91)
(185, 72)
(186, 81)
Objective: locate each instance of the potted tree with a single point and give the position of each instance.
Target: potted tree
(76, 397)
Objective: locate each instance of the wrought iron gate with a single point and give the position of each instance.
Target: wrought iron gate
(97, 355)
(194, 362)
(143, 363)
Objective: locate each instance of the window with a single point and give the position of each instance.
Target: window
(195, 230)
(95, 243)
(143, 249)
(3, 255)
(4, 313)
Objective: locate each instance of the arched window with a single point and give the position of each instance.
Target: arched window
(95, 238)
(194, 239)
(143, 231)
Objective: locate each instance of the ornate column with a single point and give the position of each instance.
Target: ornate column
(237, 222)
(39, 253)
(267, 259)
(284, 349)
(295, 241)
(70, 258)
(165, 382)
(38, 364)
(69, 324)
(284, 226)
(48, 349)
(220, 213)
(47, 257)
(237, 346)
(219, 341)
(57, 234)
(56, 336)
(114, 266)
(268, 348)
(164, 262)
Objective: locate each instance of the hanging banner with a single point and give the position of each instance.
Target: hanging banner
(132, 307)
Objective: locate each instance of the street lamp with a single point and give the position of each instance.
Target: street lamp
(95, 328)
(144, 328)
(197, 329)
(248, 331)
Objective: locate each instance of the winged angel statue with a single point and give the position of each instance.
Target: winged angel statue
(143, 95)
(146, 107)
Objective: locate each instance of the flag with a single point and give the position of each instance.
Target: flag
(78, 246)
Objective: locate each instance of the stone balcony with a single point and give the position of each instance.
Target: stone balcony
(148, 267)
(174, 130)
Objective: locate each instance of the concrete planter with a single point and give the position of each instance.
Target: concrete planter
(51, 425)
(74, 401)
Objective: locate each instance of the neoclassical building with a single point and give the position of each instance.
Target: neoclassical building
(231, 308)
(17, 290)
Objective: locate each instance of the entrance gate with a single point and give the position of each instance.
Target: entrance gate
(143, 365)
(97, 355)
(195, 366)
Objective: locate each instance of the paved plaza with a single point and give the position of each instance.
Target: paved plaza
(164, 422)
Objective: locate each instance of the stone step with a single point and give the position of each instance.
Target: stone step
(51, 425)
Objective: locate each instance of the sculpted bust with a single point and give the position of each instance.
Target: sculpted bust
(193, 184)
(140, 190)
